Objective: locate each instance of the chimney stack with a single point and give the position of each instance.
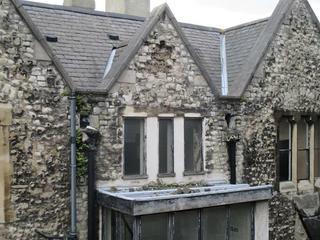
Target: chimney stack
(89, 4)
(131, 7)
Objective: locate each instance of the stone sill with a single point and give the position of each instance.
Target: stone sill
(135, 177)
(166, 175)
(287, 187)
(193, 173)
(305, 186)
(302, 187)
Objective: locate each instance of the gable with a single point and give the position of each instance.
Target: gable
(41, 42)
(289, 74)
(158, 15)
(266, 38)
(163, 73)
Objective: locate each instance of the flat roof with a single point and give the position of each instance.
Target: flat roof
(137, 203)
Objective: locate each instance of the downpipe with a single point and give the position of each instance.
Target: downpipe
(73, 169)
(93, 136)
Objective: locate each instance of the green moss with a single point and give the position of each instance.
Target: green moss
(83, 108)
(113, 189)
(243, 99)
(82, 160)
(159, 185)
(66, 92)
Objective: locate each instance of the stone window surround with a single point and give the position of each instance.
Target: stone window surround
(5, 168)
(296, 185)
(152, 145)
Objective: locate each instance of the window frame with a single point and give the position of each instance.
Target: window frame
(202, 142)
(172, 173)
(306, 149)
(289, 150)
(296, 183)
(143, 167)
(316, 147)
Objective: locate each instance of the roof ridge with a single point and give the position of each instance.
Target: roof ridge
(254, 22)
(81, 10)
(132, 17)
(200, 27)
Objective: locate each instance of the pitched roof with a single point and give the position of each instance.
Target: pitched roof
(83, 46)
(137, 41)
(239, 42)
(258, 51)
(39, 36)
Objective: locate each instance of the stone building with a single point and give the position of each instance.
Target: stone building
(195, 123)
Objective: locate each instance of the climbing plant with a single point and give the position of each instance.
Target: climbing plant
(82, 160)
(83, 108)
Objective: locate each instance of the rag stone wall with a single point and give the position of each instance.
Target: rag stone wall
(38, 136)
(162, 78)
(287, 81)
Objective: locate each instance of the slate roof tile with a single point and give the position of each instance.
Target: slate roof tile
(83, 46)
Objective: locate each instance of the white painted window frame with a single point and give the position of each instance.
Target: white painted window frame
(151, 145)
(144, 146)
(196, 116)
(172, 172)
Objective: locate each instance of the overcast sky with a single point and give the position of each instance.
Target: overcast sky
(214, 13)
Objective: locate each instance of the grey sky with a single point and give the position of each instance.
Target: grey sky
(214, 13)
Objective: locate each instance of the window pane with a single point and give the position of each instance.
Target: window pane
(317, 162)
(284, 165)
(302, 134)
(240, 222)
(284, 133)
(154, 227)
(165, 146)
(133, 146)
(193, 145)
(303, 150)
(284, 147)
(214, 223)
(317, 148)
(186, 225)
(303, 165)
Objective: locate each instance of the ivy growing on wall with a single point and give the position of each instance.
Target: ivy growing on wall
(83, 109)
(82, 160)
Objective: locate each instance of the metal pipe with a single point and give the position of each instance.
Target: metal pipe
(73, 166)
(92, 142)
(231, 146)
